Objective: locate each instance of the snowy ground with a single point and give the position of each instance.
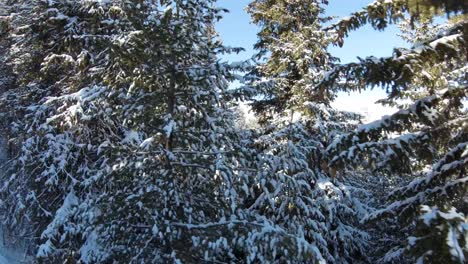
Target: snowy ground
(12, 256)
(3, 260)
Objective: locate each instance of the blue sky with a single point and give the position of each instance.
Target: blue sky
(236, 30)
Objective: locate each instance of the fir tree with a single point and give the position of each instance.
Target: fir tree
(297, 192)
(422, 145)
(124, 147)
(126, 139)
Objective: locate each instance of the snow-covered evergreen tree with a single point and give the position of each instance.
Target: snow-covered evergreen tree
(123, 146)
(291, 39)
(125, 138)
(297, 192)
(421, 149)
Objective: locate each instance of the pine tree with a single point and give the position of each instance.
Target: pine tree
(296, 194)
(420, 151)
(126, 139)
(291, 41)
(123, 145)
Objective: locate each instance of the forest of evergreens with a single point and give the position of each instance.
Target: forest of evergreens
(122, 140)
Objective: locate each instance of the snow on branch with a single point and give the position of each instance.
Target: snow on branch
(374, 136)
(381, 13)
(397, 72)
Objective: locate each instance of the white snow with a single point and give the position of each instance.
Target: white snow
(455, 248)
(3, 157)
(146, 144)
(92, 250)
(11, 256)
(169, 127)
(429, 214)
(132, 137)
(3, 260)
(61, 217)
(445, 40)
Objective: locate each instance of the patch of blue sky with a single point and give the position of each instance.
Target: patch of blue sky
(236, 30)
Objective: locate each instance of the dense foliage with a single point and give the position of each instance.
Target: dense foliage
(122, 142)
(421, 150)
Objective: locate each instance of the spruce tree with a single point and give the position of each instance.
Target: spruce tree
(319, 213)
(123, 147)
(419, 151)
(125, 140)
